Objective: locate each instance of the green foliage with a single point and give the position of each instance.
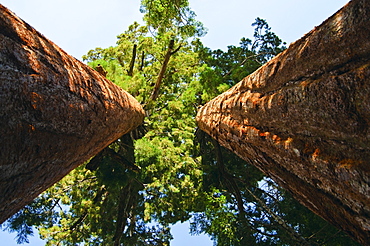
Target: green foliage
(40, 212)
(266, 42)
(174, 16)
(246, 208)
(131, 192)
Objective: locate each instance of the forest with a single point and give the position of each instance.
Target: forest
(167, 170)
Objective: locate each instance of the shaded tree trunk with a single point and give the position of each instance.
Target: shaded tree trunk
(55, 113)
(130, 71)
(303, 119)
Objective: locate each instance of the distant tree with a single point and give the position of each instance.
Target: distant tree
(247, 208)
(266, 43)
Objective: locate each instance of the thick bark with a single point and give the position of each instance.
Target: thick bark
(303, 119)
(55, 113)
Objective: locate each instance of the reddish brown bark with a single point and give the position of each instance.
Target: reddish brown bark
(55, 113)
(303, 119)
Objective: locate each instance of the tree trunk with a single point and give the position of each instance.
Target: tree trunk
(55, 113)
(303, 119)
(158, 83)
(132, 62)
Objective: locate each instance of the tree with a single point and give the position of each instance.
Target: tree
(118, 198)
(113, 201)
(55, 113)
(247, 208)
(171, 16)
(281, 119)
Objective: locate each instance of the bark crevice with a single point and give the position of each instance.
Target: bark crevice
(303, 119)
(56, 113)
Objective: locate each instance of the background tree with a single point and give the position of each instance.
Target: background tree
(248, 208)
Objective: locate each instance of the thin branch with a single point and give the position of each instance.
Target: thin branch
(229, 180)
(265, 234)
(243, 62)
(314, 234)
(122, 214)
(79, 221)
(327, 240)
(235, 190)
(55, 204)
(128, 199)
(280, 221)
(177, 49)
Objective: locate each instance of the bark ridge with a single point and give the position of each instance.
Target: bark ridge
(303, 119)
(55, 113)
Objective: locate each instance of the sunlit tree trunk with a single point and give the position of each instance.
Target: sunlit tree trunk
(160, 77)
(55, 113)
(303, 119)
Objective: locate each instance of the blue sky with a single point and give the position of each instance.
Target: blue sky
(180, 232)
(80, 25)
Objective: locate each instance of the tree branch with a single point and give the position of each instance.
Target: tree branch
(79, 221)
(243, 62)
(228, 178)
(167, 57)
(122, 213)
(132, 62)
(231, 184)
(296, 236)
(142, 61)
